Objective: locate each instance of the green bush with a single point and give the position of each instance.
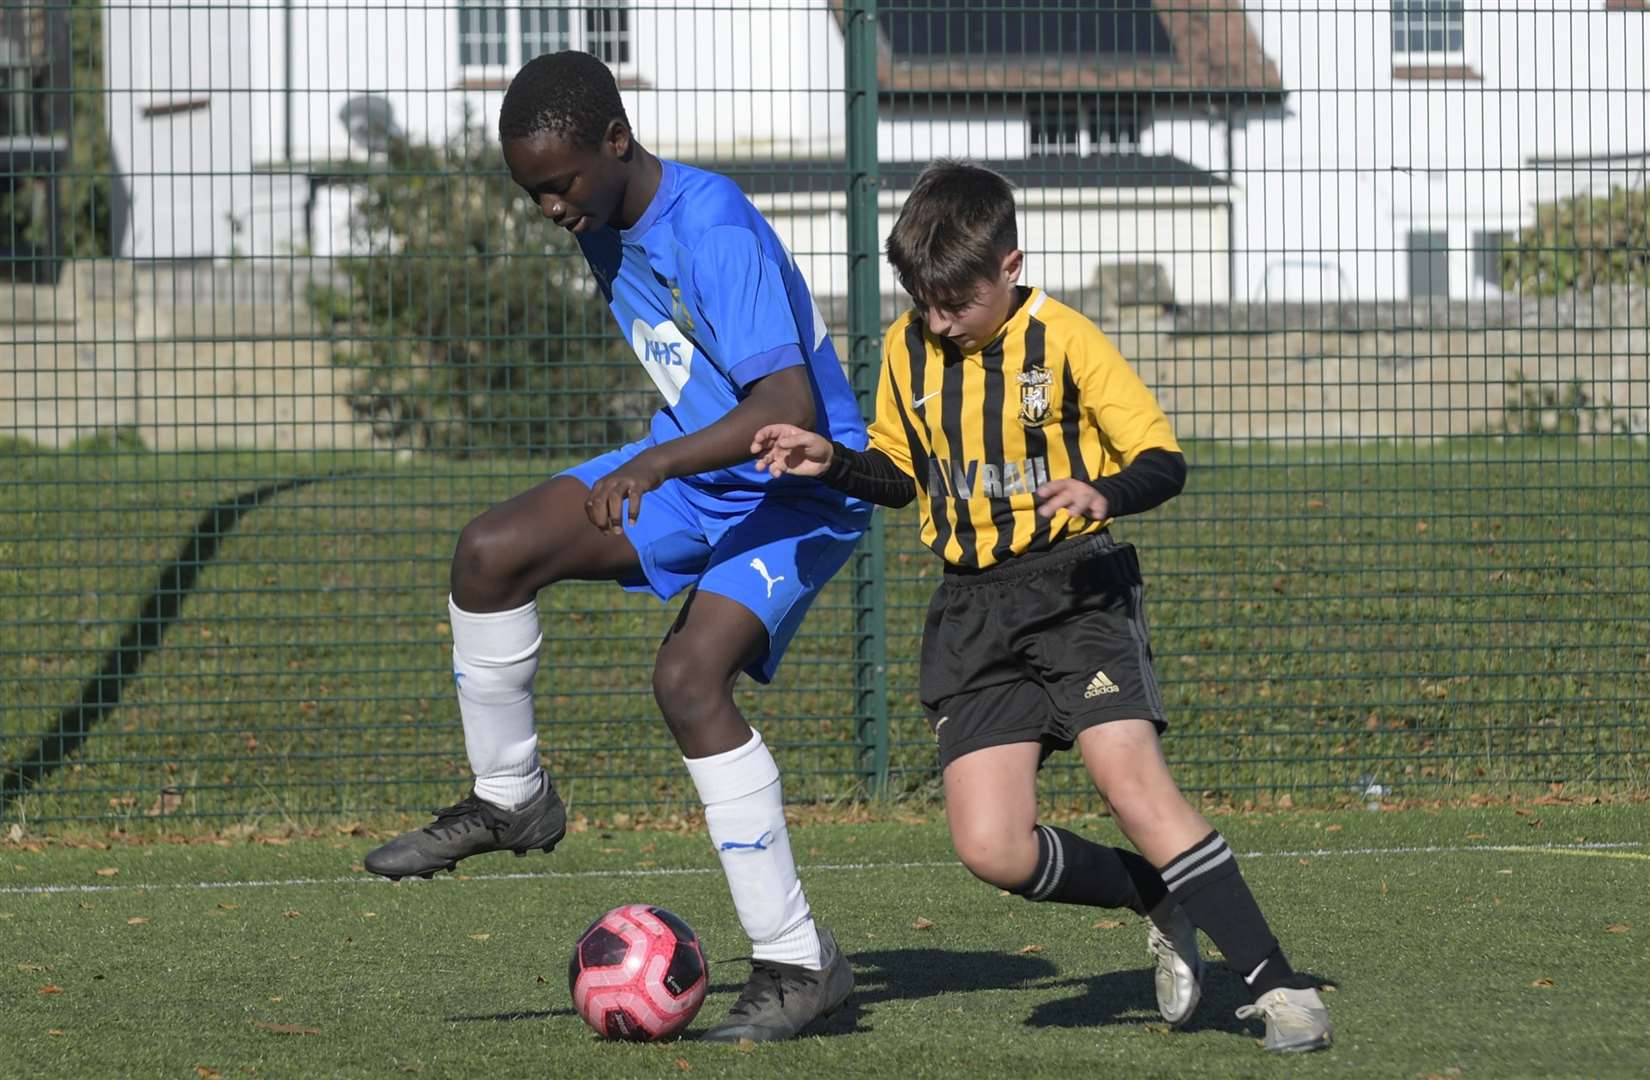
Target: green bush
(474, 324)
(1581, 243)
(84, 210)
(86, 223)
(1533, 408)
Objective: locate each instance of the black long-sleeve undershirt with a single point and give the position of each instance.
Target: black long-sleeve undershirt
(1151, 479)
(870, 475)
(1154, 477)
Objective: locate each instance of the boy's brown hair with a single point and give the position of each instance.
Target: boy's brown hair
(954, 231)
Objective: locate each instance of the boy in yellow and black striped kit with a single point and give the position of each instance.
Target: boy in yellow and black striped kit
(1022, 432)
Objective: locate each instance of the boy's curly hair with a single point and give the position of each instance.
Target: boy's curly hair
(571, 94)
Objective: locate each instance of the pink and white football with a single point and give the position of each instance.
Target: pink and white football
(638, 973)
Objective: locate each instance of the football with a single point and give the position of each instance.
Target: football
(638, 974)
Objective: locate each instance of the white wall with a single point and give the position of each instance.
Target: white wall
(906, 133)
(1332, 182)
(1067, 234)
(1357, 159)
(727, 79)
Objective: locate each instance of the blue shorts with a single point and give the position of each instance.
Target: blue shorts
(771, 555)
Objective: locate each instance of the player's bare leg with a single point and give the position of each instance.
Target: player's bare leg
(991, 804)
(797, 972)
(1171, 938)
(991, 808)
(502, 560)
(1125, 759)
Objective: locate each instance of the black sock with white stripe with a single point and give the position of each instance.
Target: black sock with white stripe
(1072, 870)
(1204, 880)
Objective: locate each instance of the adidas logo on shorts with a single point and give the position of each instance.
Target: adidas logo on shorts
(1100, 684)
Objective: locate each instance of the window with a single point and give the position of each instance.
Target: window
(481, 40)
(543, 30)
(1064, 126)
(1056, 128)
(508, 33)
(1429, 264)
(1428, 26)
(607, 34)
(1488, 255)
(17, 98)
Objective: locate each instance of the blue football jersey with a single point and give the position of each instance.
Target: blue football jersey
(711, 301)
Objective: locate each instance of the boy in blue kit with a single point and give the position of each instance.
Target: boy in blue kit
(722, 320)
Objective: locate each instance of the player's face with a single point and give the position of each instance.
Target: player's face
(577, 187)
(972, 320)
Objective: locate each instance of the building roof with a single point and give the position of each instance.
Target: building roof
(1202, 47)
(770, 177)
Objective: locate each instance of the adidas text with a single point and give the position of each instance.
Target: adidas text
(1100, 684)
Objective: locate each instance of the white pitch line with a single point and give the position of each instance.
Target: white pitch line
(557, 875)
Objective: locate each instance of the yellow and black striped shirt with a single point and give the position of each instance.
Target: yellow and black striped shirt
(1049, 397)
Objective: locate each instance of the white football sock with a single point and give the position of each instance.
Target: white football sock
(745, 813)
(494, 657)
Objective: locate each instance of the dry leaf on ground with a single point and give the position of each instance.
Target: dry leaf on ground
(109, 871)
(1028, 950)
(138, 920)
(1618, 928)
(922, 924)
(1542, 983)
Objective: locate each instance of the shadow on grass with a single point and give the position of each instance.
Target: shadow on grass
(909, 974)
(101, 694)
(1112, 997)
(566, 1010)
(1127, 997)
(510, 1017)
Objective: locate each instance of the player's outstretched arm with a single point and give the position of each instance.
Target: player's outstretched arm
(786, 448)
(785, 397)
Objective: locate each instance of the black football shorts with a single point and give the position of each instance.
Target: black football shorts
(1039, 648)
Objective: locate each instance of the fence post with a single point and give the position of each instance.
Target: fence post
(864, 359)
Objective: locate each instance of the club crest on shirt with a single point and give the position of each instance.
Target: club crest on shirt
(1034, 384)
(679, 313)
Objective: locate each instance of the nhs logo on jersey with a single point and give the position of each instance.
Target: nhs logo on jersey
(666, 354)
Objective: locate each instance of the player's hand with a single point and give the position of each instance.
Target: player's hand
(627, 484)
(1073, 496)
(785, 448)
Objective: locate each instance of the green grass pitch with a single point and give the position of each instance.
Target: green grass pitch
(1491, 942)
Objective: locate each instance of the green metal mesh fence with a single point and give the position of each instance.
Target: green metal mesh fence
(277, 325)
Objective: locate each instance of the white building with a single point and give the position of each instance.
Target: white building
(1418, 135)
(1297, 151)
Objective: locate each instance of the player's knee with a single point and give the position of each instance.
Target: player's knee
(477, 554)
(486, 556)
(686, 687)
(1139, 807)
(996, 856)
